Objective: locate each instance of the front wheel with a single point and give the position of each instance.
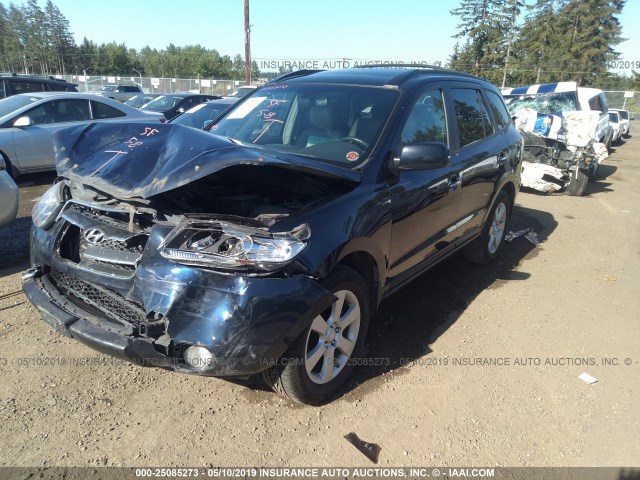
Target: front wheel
(486, 247)
(318, 363)
(577, 183)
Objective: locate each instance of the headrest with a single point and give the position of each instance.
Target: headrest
(322, 117)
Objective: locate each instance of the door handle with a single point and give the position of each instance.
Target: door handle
(454, 182)
(501, 157)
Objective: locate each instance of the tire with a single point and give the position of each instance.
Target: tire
(487, 246)
(10, 169)
(577, 183)
(311, 381)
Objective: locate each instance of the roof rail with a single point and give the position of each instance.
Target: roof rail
(297, 73)
(32, 75)
(403, 65)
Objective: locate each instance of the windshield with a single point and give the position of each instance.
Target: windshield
(613, 117)
(549, 102)
(11, 104)
(165, 102)
(330, 123)
(624, 114)
(201, 115)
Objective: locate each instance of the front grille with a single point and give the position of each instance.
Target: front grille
(98, 300)
(117, 254)
(115, 219)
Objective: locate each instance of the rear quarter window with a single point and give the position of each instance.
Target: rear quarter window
(498, 109)
(101, 111)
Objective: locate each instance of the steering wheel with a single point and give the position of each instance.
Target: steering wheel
(355, 141)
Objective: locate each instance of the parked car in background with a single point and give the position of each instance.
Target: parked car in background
(173, 104)
(14, 84)
(121, 93)
(567, 134)
(267, 247)
(625, 121)
(9, 195)
(28, 122)
(138, 101)
(616, 126)
(243, 91)
(203, 114)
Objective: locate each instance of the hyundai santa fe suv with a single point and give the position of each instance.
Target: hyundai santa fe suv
(267, 247)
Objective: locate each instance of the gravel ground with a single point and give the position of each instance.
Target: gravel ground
(547, 313)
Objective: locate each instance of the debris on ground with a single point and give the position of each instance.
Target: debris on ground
(369, 450)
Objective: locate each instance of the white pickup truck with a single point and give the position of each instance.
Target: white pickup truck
(567, 134)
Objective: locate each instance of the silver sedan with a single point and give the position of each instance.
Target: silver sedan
(8, 196)
(29, 120)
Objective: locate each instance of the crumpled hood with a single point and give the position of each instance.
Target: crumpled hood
(139, 160)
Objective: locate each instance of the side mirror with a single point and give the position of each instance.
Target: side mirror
(23, 122)
(423, 156)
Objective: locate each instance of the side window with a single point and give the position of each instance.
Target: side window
(101, 110)
(3, 92)
(426, 121)
(59, 111)
(27, 87)
(500, 112)
(471, 115)
(74, 110)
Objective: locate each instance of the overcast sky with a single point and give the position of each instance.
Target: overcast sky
(401, 30)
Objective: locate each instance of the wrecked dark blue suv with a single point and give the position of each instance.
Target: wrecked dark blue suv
(268, 246)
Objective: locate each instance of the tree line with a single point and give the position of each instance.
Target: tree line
(511, 42)
(38, 40)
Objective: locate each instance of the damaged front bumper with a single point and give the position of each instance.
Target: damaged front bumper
(153, 317)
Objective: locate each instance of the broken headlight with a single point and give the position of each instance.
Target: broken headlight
(44, 212)
(220, 244)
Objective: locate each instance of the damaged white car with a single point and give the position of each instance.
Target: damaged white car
(566, 132)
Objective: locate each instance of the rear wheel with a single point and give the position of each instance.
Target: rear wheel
(486, 247)
(317, 365)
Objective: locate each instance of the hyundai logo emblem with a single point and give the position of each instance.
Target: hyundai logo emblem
(94, 236)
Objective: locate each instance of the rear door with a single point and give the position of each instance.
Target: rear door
(424, 203)
(480, 153)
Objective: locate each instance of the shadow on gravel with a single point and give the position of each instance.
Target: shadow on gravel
(14, 238)
(14, 246)
(36, 179)
(410, 320)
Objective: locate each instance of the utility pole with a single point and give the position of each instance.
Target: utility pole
(247, 44)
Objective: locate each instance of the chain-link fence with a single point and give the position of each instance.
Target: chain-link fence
(208, 86)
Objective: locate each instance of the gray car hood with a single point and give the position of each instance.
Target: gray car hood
(139, 160)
